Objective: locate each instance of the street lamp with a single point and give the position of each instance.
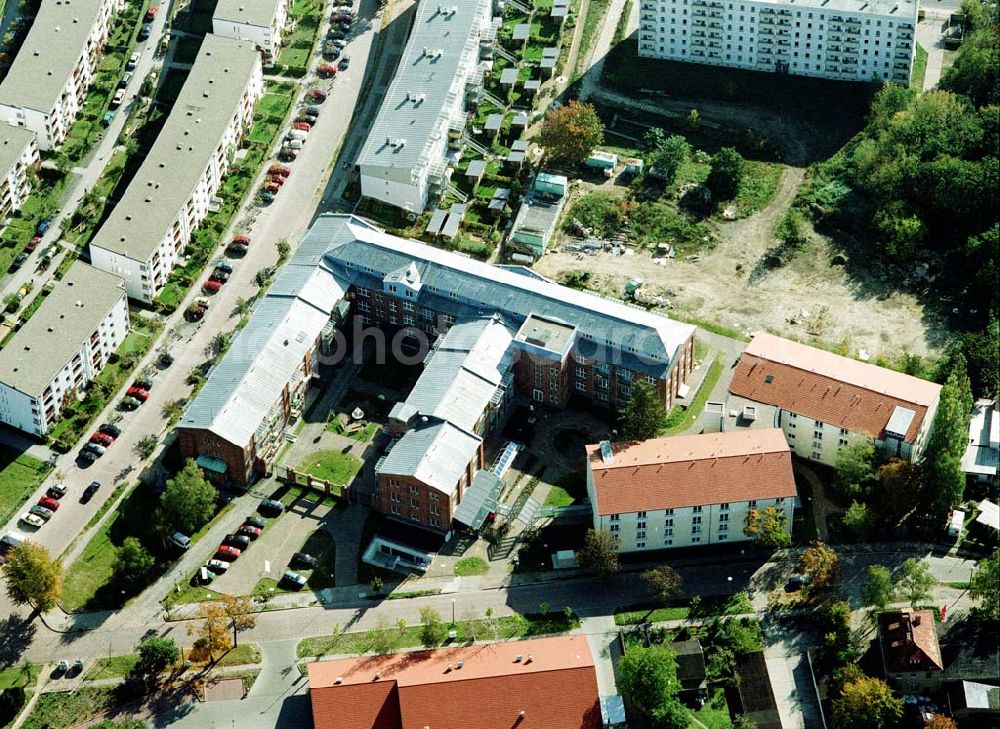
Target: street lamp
(453, 611)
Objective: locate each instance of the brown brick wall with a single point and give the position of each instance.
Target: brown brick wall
(414, 502)
(196, 441)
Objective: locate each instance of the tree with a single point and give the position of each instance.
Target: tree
(241, 613)
(644, 415)
(132, 561)
(570, 132)
(878, 589)
(940, 721)
(725, 173)
(976, 69)
(648, 677)
(213, 632)
(855, 470)
(156, 654)
(767, 527)
(899, 488)
(145, 447)
(188, 501)
(949, 438)
(664, 581)
(172, 411)
(867, 703)
(741, 721)
(283, 249)
(599, 553)
(821, 564)
(382, 639)
(836, 627)
(859, 520)
(33, 577)
(914, 581)
(668, 155)
(985, 586)
(434, 631)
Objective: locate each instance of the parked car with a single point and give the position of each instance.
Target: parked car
(341, 44)
(293, 579)
(236, 249)
(43, 226)
(330, 51)
(301, 559)
(326, 70)
(240, 541)
(102, 439)
(49, 503)
(180, 540)
(275, 179)
(118, 99)
(302, 126)
(266, 198)
(227, 553)
(138, 393)
(336, 33)
(41, 511)
(204, 576)
(280, 170)
(271, 506)
(57, 491)
(242, 240)
(314, 110)
(109, 116)
(97, 450)
(219, 275)
(249, 530)
(316, 95)
(126, 80)
(144, 32)
(143, 383)
(18, 262)
(33, 244)
(308, 118)
(211, 287)
(255, 521)
(85, 458)
(164, 360)
(32, 520)
(271, 187)
(217, 565)
(151, 13)
(88, 493)
(133, 61)
(129, 403)
(287, 155)
(345, 62)
(111, 429)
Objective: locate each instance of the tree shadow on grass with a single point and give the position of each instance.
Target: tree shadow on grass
(16, 635)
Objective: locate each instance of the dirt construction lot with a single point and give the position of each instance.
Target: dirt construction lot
(808, 299)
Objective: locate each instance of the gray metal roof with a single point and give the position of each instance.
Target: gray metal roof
(182, 151)
(479, 499)
(13, 142)
(435, 453)
(419, 100)
(70, 314)
(477, 168)
(56, 41)
(250, 12)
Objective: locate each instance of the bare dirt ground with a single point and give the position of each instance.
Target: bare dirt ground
(808, 299)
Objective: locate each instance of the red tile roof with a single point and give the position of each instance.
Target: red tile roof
(909, 641)
(692, 470)
(555, 689)
(824, 386)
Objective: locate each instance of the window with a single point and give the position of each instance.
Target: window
(394, 498)
(792, 416)
(696, 520)
(394, 509)
(818, 434)
(615, 517)
(724, 507)
(816, 455)
(723, 537)
(843, 431)
(780, 500)
(414, 503)
(434, 496)
(697, 509)
(769, 379)
(641, 515)
(842, 442)
(752, 503)
(640, 545)
(614, 528)
(724, 527)
(640, 535)
(668, 541)
(414, 489)
(723, 518)
(669, 512)
(668, 522)
(696, 539)
(668, 532)
(818, 423)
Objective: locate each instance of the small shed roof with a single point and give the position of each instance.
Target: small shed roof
(477, 168)
(550, 52)
(520, 119)
(515, 157)
(437, 221)
(508, 77)
(532, 84)
(521, 31)
(519, 145)
(450, 229)
(500, 197)
(494, 122)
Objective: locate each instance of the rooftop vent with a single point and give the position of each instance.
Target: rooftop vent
(459, 664)
(518, 658)
(529, 659)
(606, 454)
(338, 679)
(378, 675)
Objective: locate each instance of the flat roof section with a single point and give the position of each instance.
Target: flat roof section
(548, 334)
(70, 314)
(56, 40)
(250, 12)
(13, 142)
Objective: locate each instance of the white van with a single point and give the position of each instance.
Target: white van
(12, 540)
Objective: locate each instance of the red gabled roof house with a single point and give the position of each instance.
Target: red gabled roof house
(548, 683)
(911, 655)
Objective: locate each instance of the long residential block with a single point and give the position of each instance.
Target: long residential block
(48, 80)
(172, 191)
(260, 22)
(419, 128)
(61, 348)
(851, 40)
(18, 155)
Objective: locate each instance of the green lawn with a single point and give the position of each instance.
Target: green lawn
(244, 654)
(112, 667)
(682, 416)
(715, 713)
(469, 566)
(20, 475)
(330, 465)
(298, 45)
(596, 11)
(760, 182)
(19, 676)
(919, 69)
(63, 710)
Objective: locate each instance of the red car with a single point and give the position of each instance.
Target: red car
(138, 393)
(49, 503)
(276, 179)
(211, 287)
(277, 171)
(243, 240)
(317, 95)
(102, 439)
(151, 13)
(227, 553)
(302, 126)
(271, 186)
(30, 248)
(250, 530)
(327, 70)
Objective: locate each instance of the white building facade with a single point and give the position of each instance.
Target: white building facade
(18, 155)
(173, 190)
(260, 22)
(46, 84)
(61, 348)
(847, 40)
(688, 490)
(420, 126)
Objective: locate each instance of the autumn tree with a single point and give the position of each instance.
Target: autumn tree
(33, 578)
(188, 501)
(767, 527)
(985, 586)
(914, 581)
(855, 471)
(940, 721)
(212, 632)
(571, 132)
(132, 561)
(664, 581)
(241, 614)
(599, 554)
(878, 589)
(821, 563)
(867, 703)
(725, 173)
(644, 415)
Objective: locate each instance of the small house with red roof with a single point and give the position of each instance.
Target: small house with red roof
(911, 655)
(690, 489)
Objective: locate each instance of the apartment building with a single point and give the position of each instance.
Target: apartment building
(846, 40)
(174, 188)
(346, 270)
(46, 84)
(824, 402)
(689, 489)
(18, 155)
(260, 22)
(420, 127)
(61, 348)
(543, 683)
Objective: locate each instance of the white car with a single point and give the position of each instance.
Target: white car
(132, 62)
(32, 520)
(119, 98)
(217, 565)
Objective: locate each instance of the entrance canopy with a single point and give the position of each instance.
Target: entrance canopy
(479, 499)
(213, 464)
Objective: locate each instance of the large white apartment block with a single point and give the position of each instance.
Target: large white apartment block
(850, 40)
(260, 22)
(419, 130)
(48, 80)
(61, 348)
(18, 154)
(688, 490)
(172, 192)
(824, 402)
